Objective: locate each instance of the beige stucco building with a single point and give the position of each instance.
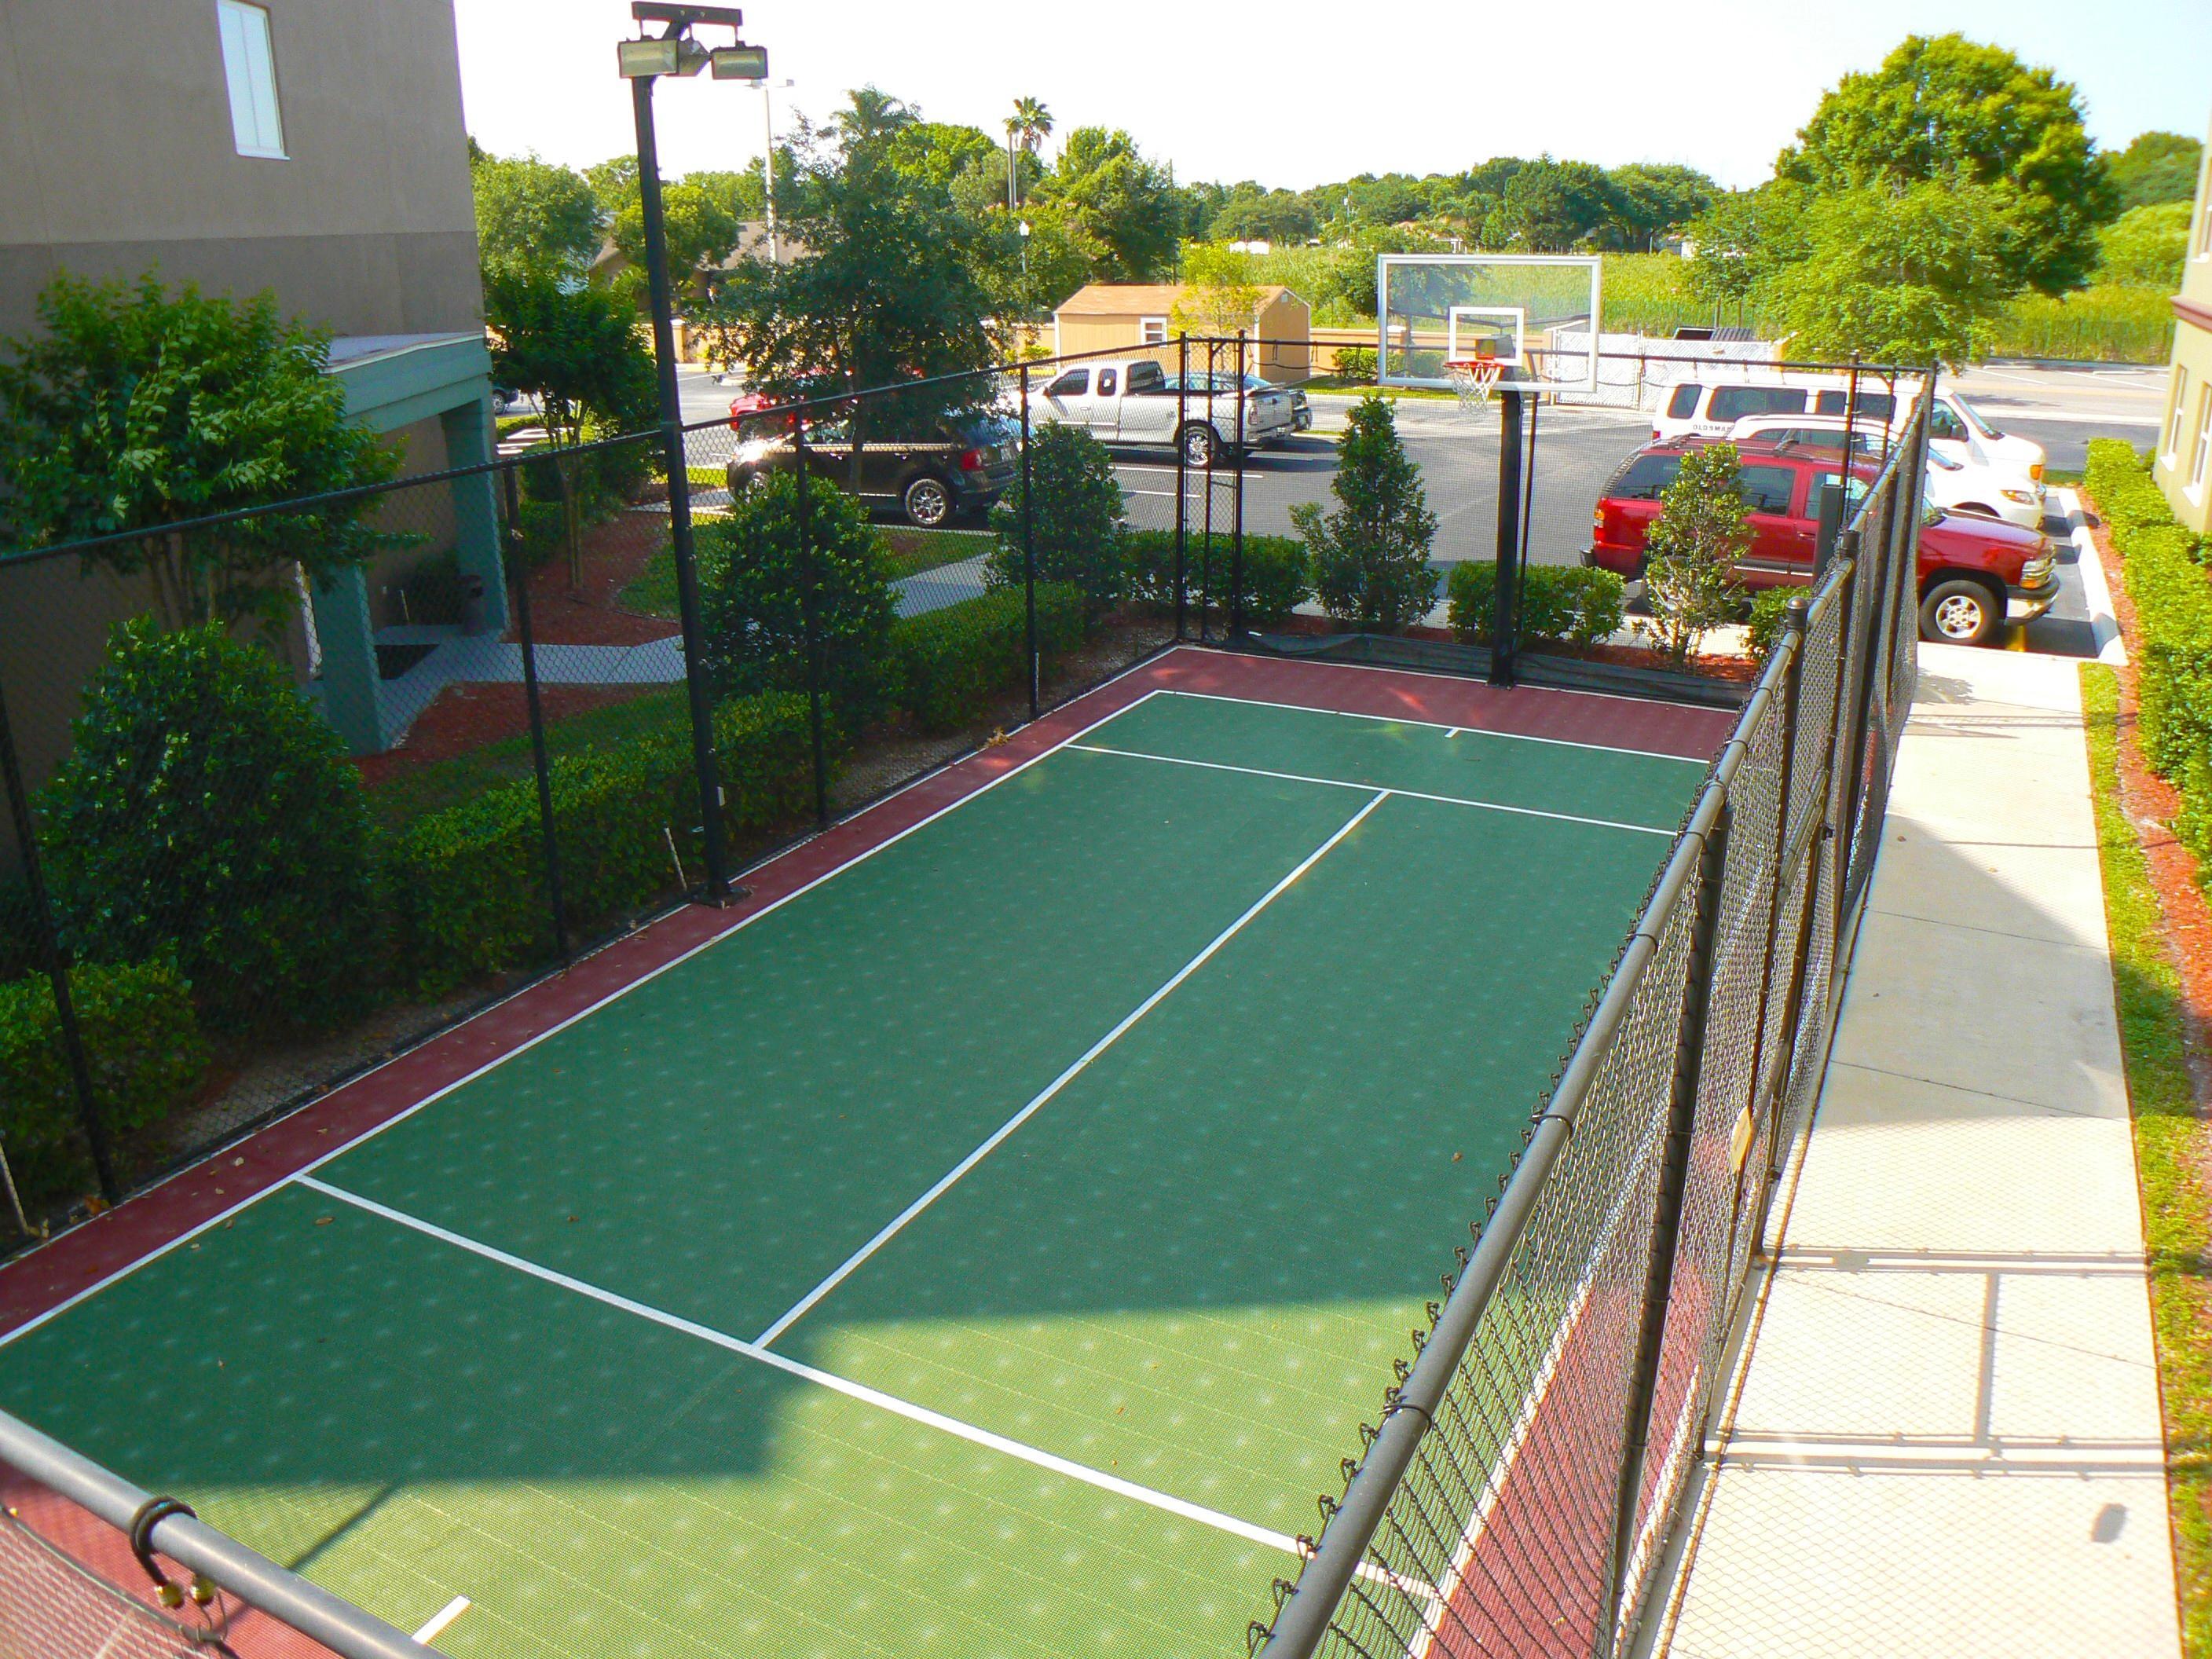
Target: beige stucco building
(310, 147)
(1133, 316)
(2182, 461)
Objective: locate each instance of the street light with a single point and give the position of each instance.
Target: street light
(642, 62)
(766, 87)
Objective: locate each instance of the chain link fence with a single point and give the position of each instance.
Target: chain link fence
(1517, 1492)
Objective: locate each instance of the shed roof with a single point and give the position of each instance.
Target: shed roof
(1143, 299)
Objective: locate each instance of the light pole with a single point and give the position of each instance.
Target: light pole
(765, 88)
(673, 52)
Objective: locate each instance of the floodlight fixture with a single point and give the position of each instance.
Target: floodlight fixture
(739, 63)
(668, 55)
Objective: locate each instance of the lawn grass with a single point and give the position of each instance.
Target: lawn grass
(2177, 1207)
(2058, 476)
(418, 791)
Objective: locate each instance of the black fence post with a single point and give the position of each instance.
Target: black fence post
(518, 571)
(1827, 522)
(1029, 553)
(1504, 599)
(1667, 1217)
(1236, 534)
(56, 965)
(809, 605)
(1183, 483)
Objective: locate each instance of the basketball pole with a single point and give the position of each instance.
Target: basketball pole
(1505, 597)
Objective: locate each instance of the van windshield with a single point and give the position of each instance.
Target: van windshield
(1974, 419)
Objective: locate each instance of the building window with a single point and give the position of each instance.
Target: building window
(2204, 438)
(250, 66)
(2175, 415)
(1153, 330)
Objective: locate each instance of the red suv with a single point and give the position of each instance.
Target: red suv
(1975, 574)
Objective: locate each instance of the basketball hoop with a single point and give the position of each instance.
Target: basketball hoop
(1474, 378)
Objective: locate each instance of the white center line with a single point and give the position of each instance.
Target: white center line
(444, 1616)
(908, 1409)
(798, 1309)
(1340, 783)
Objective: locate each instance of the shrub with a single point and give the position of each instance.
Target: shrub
(1371, 554)
(1275, 580)
(1077, 520)
(1355, 363)
(1570, 603)
(144, 1046)
(757, 587)
(207, 815)
(469, 882)
(953, 661)
(1689, 575)
(1769, 606)
(2174, 611)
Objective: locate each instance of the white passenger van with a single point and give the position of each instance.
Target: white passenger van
(1956, 431)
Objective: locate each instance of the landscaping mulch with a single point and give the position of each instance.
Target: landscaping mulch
(591, 612)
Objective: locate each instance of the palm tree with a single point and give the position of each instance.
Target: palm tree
(872, 113)
(1029, 126)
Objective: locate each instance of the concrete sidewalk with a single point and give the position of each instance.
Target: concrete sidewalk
(1948, 1440)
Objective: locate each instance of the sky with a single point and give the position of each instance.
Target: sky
(1296, 94)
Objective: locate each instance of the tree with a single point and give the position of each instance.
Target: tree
(1123, 203)
(1692, 551)
(2146, 245)
(871, 112)
(1949, 109)
(1249, 213)
(1370, 552)
(1079, 522)
(1911, 277)
(764, 593)
(1743, 239)
(533, 213)
(577, 348)
(1220, 296)
(2155, 167)
(1027, 129)
(1550, 206)
(613, 183)
(885, 292)
(1024, 277)
(136, 409)
(208, 816)
(1651, 202)
(701, 231)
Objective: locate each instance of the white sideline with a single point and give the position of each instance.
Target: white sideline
(798, 1309)
(1339, 783)
(859, 1391)
(1406, 720)
(621, 991)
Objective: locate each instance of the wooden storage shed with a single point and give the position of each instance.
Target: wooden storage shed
(1132, 316)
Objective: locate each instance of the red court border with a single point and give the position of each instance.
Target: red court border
(81, 1259)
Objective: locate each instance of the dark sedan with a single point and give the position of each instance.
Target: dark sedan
(939, 470)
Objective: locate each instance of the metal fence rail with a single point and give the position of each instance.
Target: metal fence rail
(1518, 1490)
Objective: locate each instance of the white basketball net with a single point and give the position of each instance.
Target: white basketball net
(1474, 378)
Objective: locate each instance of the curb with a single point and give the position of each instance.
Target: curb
(2103, 622)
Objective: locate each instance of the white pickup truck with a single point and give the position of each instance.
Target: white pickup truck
(1138, 402)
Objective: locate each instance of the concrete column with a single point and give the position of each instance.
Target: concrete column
(352, 692)
(468, 432)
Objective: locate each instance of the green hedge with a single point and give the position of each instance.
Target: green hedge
(953, 661)
(2173, 611)
(467, 883)
(1276, 577)
(1575, 604)
(142, 1038)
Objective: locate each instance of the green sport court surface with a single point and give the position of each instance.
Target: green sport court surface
(989, 1250)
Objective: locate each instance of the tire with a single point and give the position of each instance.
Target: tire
(925, 502)
(1200, 446)
(1959, 610)
(743, 482)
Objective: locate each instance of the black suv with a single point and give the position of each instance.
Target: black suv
(957, 464)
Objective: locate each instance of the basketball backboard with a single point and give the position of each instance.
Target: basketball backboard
(1536, 314)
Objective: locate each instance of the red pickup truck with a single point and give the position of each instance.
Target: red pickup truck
(1975, 574)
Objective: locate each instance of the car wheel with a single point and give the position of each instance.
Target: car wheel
(1200, 447)
(1960, 612)
(926, 502)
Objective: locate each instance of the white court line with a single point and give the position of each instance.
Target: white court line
(444, 1616)
(859, 1391)
(344, 1147)
(1453, 733)
(1339, 783)
(1548, 690)
(1402, 719)
(797, 1310)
